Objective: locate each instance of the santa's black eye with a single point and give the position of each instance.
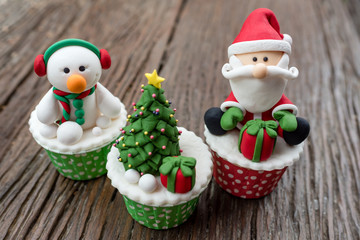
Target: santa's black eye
(66, 70)
(82, 68)
(254, 59)
(266, 59)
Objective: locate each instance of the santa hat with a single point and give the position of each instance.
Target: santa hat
(260, 32)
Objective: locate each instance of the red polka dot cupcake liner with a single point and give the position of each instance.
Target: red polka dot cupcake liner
(244, 182)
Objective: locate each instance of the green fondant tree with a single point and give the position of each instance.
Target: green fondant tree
(152, 133)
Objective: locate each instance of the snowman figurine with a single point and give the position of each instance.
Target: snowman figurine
(77, 101)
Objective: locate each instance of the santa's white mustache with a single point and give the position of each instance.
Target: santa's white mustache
(247, 71)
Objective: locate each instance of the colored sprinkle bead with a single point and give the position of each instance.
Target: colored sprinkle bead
(141, 113)
(132, 130)
(142, 90)
(129, 165)
(120, 159)
(122, 138)
(157, 113)
(142, 108)
(146, 133)
(163, 147)
(142, 85)
(136, 115)
(123, 131)
(137, 143)
(129, 116)
(123, 145)
(171, 115)
(157, 110)
(133, 103)
(176, 120)
(114, 144)
(141, 173)
(151, 137)
(117, 140)
(150, 153)
(129, 155)
(180, 132)
(162, 130)
(167, 101)
(181, 150)
(127, 120)
(174, 109)
(153, 95)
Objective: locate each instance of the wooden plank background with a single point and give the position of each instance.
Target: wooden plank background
(317, 198)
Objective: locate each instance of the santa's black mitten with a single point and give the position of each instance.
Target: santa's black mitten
(300, 134)
(212, 119)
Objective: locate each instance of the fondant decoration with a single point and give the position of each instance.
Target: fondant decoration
(178, 173)
(132, 176)
(152, 133)
(74, 67)
(257, 139)
(258, 73)
(147, 183)
(162, 209)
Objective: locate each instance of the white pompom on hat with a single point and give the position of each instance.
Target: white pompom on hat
(260, 32)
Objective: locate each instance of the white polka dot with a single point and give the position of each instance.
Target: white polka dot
(260, 188)
(219, 171)
(260, 172)
(138, 205)
(249, 192)
(140, 214)
(264, 182)
(164, 227)
(218, 163)
(76, 176)
(81, 173)
(243, 196)
(99, 150)
(141, 222)
(228, 190)
(77, 155)
(168, 217)
(226, 166)
(244, 187)
(247, 177)
(146, 209)
(102, 163)
(230, 175)
(183, 207)
(88, 162)
(161, 215)
(253, 177)
(236, 190)
(63, 157)
(93, 170)
(278, 172)
(268, 175)
(96, 158)
(60, 164)
(225, 182)
(79, 164)
(265, 192)
(71, 161)
(151, 217)
(157, 221)
(55, 157)
(220, 179)
(240, 171)
(237, 181)
(100, 170)
(168, 211)
(256, 186)
(84, 154)
(89, 176)
(257, 194)
(131, 206)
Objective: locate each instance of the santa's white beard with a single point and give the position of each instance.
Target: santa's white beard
(258, 95)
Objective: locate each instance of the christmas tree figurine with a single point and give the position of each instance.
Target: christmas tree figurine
(151, 135)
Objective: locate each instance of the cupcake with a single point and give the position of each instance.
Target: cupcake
(78, 119)
(159, 169)
(256, 134)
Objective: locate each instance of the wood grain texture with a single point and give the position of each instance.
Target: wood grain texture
(317, 198)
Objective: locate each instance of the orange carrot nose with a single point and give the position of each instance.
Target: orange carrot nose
(76, 83)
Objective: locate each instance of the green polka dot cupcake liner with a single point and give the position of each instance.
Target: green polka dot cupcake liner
(81, 166)
(160, 217)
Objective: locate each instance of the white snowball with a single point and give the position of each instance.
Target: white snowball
(48, 131)
(69, 133)
(103, 122)
(132, 176)
(148, 183)
(97, 131)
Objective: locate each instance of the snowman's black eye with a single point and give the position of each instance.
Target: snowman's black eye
(66, 70)
(266, 59)
(82, 68)
(254, 59)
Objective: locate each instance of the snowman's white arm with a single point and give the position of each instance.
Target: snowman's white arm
(107, 103)
(48, 109)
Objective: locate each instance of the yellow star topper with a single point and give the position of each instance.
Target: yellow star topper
(154, 79)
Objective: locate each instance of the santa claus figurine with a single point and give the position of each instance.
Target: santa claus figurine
(258, 73)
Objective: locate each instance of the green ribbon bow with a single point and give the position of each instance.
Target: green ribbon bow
(171, 165)
(253, 128)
